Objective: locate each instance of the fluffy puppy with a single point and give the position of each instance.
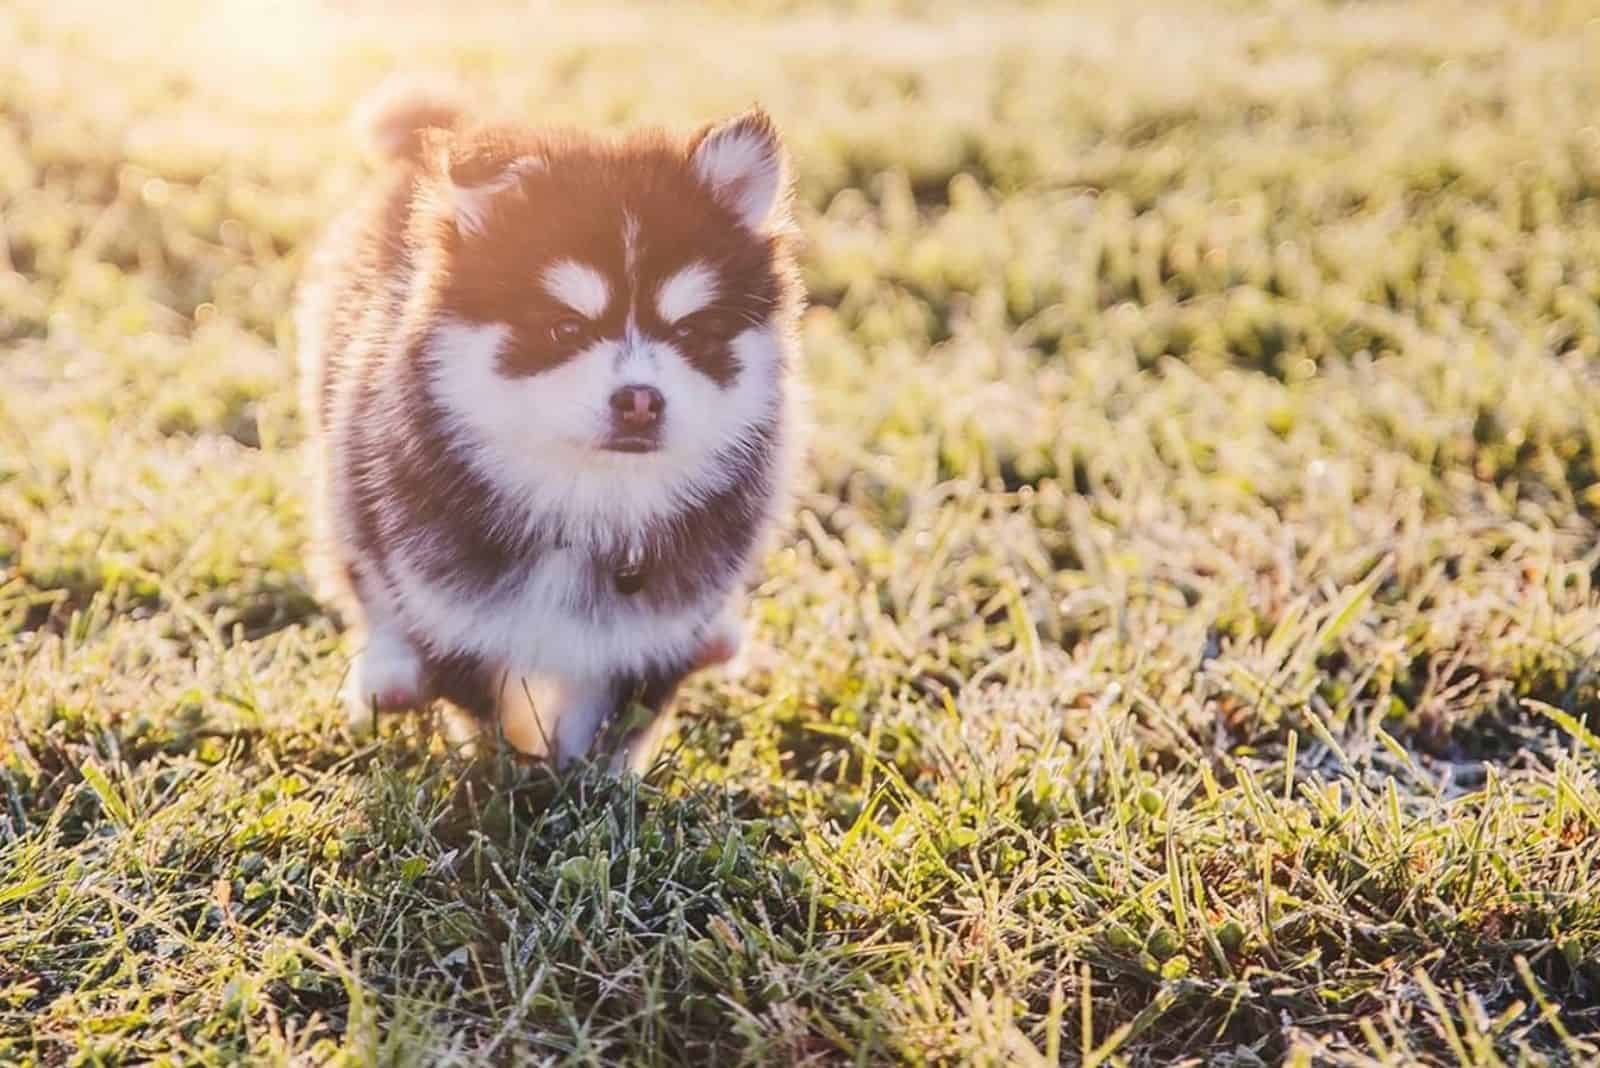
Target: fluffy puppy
(548, 383)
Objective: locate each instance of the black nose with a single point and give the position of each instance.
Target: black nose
(638, 406)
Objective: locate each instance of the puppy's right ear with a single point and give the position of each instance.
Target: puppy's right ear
(473, 176)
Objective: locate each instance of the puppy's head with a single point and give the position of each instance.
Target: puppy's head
(608, 317)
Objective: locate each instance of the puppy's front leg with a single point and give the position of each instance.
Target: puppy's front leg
(387, 675)
(638, 748)
(551, 716)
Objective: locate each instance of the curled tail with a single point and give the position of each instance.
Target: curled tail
(395, 118)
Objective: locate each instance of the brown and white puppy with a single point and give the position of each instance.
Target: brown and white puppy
(548, 383)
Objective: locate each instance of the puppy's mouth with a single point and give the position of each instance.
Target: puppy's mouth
(636, 443)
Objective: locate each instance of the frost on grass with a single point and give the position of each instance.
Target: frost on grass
(1184, 645)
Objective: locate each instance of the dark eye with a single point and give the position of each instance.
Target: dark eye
(698, 327)
(566, 331)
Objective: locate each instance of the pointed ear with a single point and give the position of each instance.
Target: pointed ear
(743, 165)
(473, 202)
(472, 179)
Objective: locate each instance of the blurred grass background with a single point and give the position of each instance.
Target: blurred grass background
(1185, 646)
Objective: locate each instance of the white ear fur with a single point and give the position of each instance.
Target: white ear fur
(471, 203)
(743, 165)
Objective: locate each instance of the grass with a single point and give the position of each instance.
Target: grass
(1185, 646)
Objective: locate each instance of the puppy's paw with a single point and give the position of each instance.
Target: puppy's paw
(387, 676)
(720, 645)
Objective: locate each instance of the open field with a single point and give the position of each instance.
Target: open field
(1186, 644)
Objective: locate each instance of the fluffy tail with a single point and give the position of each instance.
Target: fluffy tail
(393, 120)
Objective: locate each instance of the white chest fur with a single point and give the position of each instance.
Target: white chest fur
(530, 622)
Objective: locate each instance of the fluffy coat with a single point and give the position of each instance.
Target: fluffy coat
(548, 383)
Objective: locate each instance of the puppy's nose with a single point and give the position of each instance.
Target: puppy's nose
(638, 406)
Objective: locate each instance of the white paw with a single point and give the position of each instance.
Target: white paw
(528, 707)
(386, 675)
(552, 717)
(637, 753)
(461, 730)
(722, 644)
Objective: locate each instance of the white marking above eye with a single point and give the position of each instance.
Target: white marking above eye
(578, 286)
(686, 292)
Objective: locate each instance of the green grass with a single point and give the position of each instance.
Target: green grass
(1185, 644)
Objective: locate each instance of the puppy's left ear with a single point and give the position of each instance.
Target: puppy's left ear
(745, 168)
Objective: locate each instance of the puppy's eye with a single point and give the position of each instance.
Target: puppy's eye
(699, 327)
(568, 330)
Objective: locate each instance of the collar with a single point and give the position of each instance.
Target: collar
(630, 575)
